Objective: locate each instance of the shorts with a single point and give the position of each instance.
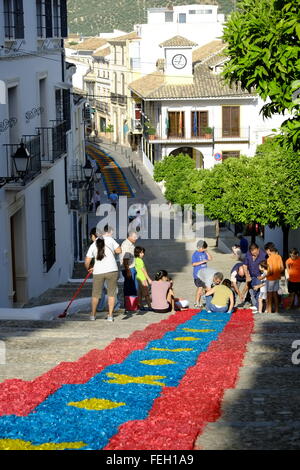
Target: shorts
(166, 310)
(199, 283)
(111, 280)
(273, 286)
(263, 295)
(293, 287)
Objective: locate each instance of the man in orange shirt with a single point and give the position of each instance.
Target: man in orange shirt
(293, 271)
(275, 270)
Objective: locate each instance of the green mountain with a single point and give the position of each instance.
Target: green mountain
(99, 16)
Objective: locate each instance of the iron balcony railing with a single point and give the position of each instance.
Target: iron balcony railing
(214, 135)
(118, 99)
(102, 107)
(53, 141)
(32, 144)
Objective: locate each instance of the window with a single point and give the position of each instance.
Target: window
(182, 18)
(48, 225)
(231, 121)
(176, 124)
(168, 17)
(13, 19)
(122, 84)
(230, 154)
(63, 106)
(56, 18)
(199, 123)
(51, 18)
(192, 12)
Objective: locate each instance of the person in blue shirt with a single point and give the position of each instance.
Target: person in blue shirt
(252, 260)
(199, 261)
(243, 245)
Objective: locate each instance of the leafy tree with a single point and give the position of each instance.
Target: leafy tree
(172, 166)
(264, 52)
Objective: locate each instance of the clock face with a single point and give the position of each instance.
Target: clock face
(179, 61)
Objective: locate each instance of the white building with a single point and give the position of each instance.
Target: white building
(36, 238)
(191, 110)
(198, 22)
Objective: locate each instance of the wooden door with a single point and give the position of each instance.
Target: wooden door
(230, 121)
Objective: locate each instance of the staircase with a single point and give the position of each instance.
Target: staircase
(263, 411)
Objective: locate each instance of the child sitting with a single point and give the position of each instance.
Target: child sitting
(262, 287)
(219, 299)
(162, 293)
(142, 277)
(228, 283)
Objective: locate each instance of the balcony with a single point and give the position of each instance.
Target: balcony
(217, 135)
(241, 134)
(102, 107)
(32, 144)
(121, 100)
(53, 141)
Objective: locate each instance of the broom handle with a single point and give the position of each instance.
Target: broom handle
(79, 289)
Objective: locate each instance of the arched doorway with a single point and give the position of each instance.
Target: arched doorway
(195, 154)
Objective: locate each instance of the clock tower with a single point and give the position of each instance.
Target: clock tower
(178, 60)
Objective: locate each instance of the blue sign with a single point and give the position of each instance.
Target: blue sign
(218, 156)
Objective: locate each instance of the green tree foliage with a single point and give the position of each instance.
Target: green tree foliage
(177, 173)
(264, 49)
(264, 188)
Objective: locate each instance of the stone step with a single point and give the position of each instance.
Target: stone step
(257, 347)
(280, 330)
(268, 435)
(268, 359)
(285, 378)
(244, 405)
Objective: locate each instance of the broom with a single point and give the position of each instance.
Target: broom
(64, 314)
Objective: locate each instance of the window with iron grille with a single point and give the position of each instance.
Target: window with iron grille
(51, 18)
(48, 226)
(13, 19)
(63, 106)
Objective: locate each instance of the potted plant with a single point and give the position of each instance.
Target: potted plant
(109, 129)
(150, 130)
(207, 132)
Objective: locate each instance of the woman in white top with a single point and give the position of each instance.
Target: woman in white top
(105, 268)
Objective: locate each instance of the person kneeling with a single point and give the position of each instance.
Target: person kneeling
(219, 299)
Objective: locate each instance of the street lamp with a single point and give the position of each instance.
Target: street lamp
(21, 160)
(87, 170)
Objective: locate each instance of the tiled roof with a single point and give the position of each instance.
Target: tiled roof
(206, 51)
(205, 85)
(90, 44)
(102, 52)
(178, 41)
(125, 37)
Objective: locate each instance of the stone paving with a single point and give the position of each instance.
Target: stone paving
(261, 412)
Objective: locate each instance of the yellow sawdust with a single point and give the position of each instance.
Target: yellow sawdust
(123, 379)
(96, 404)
